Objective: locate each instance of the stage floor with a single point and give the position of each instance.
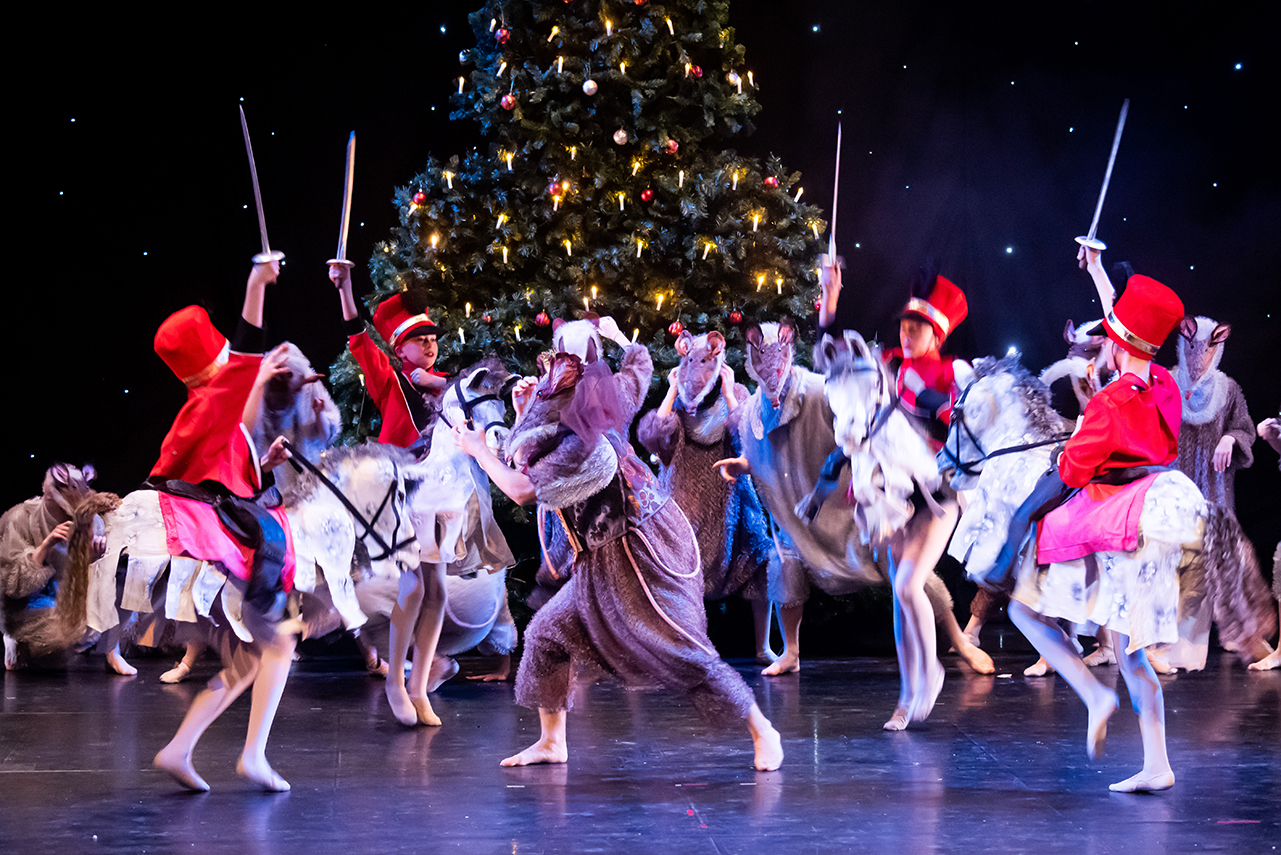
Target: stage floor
(1000, 766)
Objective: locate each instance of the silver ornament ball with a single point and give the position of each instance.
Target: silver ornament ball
(589, 87)
(620, 136)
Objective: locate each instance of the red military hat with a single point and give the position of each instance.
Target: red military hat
(1145, 314)
(190, 346)
(395, 323)
(944, 306)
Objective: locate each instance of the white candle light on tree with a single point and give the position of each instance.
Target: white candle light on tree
(670, 28)
(609, 27)
(680, 182)
(449, 179)
(461, 81)
(560, 64)
(555, 30)
(467, 310)
(799, 191)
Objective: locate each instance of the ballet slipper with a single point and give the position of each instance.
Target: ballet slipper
(177, 673)
(974, 656)
(1159, 664)
(923, 705)
(1097, 730)
(1144, 782)
(11, 658)
(401, 705)
(425, 714)
(1101, 656)
(443, 669)
(378, 667)
(1039, 668)
(179, 766)
(260, 773)
(897, 721)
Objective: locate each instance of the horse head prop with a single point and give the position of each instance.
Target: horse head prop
(857, 386)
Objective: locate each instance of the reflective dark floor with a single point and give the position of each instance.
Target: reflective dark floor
(1000, 766)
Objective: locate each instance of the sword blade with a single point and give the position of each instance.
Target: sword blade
(253, 172)
(1107, 176)
(836, 188)
(348, 181)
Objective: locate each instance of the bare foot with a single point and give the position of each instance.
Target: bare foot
(788, 663)
(261, 773)
(375, 665)
(443, 668)
(495, 676)
(1101, 656)
(179, 766)
(1267, 663)
(769, 750)
(117, 664)
(898, 721)
(1039, 668)
(1097, 729)
(176, 674)
(1145, 782)
(976, 658)
(425, 714)
(542, 751)
(1159, 664)
(401, 705)
(923, 705)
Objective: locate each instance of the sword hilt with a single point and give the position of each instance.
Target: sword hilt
(344, 262)
(1092, 242)
(268, 256)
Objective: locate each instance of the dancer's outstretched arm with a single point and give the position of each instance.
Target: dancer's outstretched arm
(516, 485)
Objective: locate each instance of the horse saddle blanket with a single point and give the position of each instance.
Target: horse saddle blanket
(193, 528)
(1098, 518)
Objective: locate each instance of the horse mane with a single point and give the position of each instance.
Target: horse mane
(305, 484)
(1043, 420)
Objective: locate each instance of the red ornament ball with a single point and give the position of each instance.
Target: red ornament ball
(676, 328)
(501, 35)
(640, 2)
(420, 198)
(818, 304)
(771, 181)
(508, 101)
(647, 195)
(487, 318)
(671, 146)
(542, 319)
(736, 317)
(696, 70)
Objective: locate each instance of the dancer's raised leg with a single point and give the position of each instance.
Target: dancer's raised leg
(1052, 643)
(1145, 690)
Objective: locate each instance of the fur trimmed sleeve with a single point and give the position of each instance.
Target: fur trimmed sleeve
(20, 534)
(634, 374)
(1238, 425)
(660, 435)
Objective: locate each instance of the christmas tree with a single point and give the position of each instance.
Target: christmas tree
(605, 187)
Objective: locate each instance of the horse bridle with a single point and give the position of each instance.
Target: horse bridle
(300, 463)
(884, 409)
(468, 405)
(967, 466)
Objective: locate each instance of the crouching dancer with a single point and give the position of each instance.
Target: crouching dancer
(633, 606)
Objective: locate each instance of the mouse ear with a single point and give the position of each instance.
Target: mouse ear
(785, 332)
(753, 335)
(1221, 333)
(682, 343)
(717, 342)
(89, 473)
(1187, 328)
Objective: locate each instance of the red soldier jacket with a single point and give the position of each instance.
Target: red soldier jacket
(207, 440)
(1128, 423)
(933, 404)
(404, 408)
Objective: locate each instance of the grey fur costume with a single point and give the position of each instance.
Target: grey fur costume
(633, 606)
(728, 519)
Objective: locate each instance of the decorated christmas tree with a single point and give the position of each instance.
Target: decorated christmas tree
(606, 186)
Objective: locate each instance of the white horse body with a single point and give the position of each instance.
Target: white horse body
(889, 459)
